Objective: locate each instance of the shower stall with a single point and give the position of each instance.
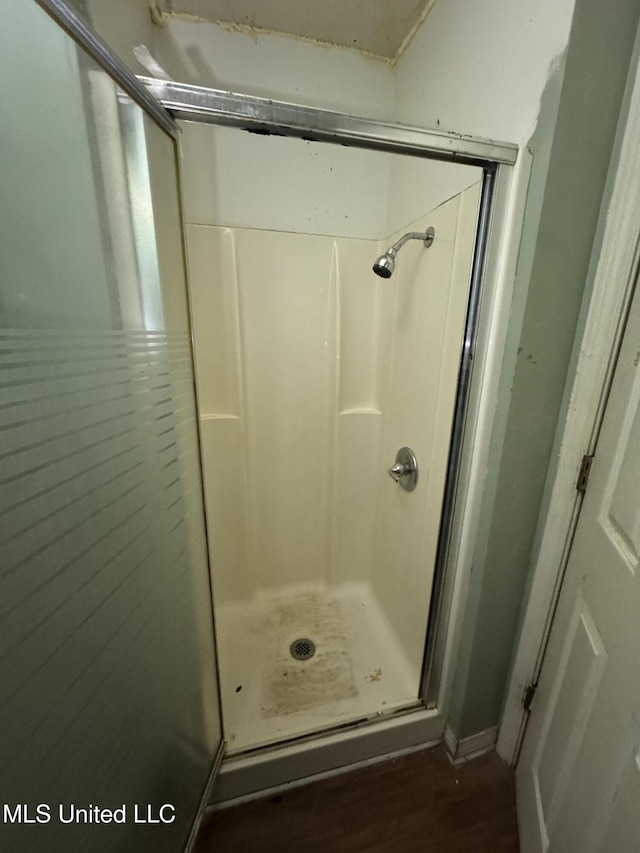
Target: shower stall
(335, 285)
(234, 503)
(312, 373)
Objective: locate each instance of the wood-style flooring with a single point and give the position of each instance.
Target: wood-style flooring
(416, 804)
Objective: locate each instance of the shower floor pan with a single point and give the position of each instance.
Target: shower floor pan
(357, 670)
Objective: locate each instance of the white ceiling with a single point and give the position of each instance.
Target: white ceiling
(375, 26)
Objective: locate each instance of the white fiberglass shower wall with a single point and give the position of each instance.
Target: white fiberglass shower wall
(312, 372)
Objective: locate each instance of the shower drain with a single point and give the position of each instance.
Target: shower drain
(302, 649)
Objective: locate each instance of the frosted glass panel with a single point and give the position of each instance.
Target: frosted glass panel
(107, 671)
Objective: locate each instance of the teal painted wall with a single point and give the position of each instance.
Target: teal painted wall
(572, 149)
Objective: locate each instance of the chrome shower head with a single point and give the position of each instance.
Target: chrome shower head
(386, 263)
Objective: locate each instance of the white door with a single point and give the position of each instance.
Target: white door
(578, 776)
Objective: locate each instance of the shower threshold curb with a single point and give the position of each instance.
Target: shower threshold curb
(247, 776)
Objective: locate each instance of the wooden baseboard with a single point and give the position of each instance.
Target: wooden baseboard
(467, 748)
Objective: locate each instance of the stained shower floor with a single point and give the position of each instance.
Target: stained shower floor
(358, 669)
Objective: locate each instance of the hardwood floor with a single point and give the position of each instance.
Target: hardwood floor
(415, 804)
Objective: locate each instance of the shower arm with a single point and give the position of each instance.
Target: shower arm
(385, 264)
(426, 237)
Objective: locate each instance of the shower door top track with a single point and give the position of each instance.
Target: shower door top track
(263, 115)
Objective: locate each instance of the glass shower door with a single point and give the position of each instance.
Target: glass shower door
(108, 678)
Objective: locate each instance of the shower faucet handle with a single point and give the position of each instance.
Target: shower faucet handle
(396, 471)
(404, 471)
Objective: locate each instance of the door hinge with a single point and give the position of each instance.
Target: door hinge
(527, 698)
(585, 470)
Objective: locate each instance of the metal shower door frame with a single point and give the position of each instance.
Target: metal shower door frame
(203, 105)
